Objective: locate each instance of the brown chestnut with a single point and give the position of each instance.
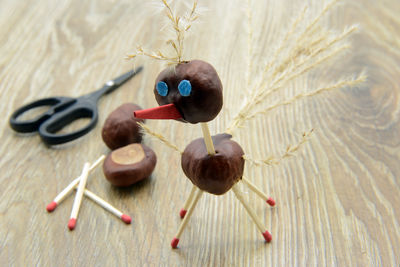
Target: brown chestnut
(193, 87)
(121, 128)
(129, 164)
(217, 173)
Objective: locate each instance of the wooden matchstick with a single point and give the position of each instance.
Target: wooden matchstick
(175, 240)
(250, 211)
(78, 197)
(66, 191)
(261, 194)
(183, 211)
(207, 138)
(101, 202)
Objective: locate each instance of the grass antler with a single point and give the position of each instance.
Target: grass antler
(289, 152)
(181, 25)
(299, 52)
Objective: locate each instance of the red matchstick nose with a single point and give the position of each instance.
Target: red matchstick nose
(165, 112)
(126, 218)
(72, 224)
(52, 206)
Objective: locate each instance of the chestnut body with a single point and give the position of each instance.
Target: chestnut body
(215, 174)
(130, 164)
(121, 128)
(205, 100)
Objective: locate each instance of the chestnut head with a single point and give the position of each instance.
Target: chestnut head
(191, 92)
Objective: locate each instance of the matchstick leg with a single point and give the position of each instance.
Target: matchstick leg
(183, 211)
(207, 138)
(175, 240)
(239, 195)
(261, 194)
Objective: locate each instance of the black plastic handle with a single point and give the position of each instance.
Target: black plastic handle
(55, 104)
(48, 130)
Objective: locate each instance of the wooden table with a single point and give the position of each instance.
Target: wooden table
(338, 198)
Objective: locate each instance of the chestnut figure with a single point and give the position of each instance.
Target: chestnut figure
(121, 128)
(192, 92)
(130, 164)
(217, 173)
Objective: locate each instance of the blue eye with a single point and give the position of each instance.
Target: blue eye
(185, 88)
(162, 88)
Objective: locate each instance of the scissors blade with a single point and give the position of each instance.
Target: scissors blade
(111, 85)
(124, 77)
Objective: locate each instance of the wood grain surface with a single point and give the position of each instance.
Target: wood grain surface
(338, 198)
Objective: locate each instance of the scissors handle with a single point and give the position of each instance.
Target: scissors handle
(48, 129)
(55, 103)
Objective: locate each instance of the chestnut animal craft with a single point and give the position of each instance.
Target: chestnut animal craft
(191, 92)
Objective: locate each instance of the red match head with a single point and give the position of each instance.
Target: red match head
(126, 218)
(191, 92)
(52, 206)
(71, 224)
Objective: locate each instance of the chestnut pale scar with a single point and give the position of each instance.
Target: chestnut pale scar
(130, 154)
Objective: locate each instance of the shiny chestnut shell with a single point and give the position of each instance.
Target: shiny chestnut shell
(217, 173)
(205, 100)
(130, 164)
(121, 128)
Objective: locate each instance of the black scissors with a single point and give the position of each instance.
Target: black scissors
(63, 111)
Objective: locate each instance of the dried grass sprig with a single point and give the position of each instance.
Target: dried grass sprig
(154, 55)
(344, 83)
(314, 58)
(310, 26)
(180, 25)
(283, 43)
(159, 137)
(289, 152)
(299, 52)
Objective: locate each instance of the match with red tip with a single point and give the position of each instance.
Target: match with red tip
(52, 206)
(182, 213)
(72, 224)
(126, 218)
(271, 201)
(174, 242)
(267, 236)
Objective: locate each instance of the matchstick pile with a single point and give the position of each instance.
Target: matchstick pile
(79, 185)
